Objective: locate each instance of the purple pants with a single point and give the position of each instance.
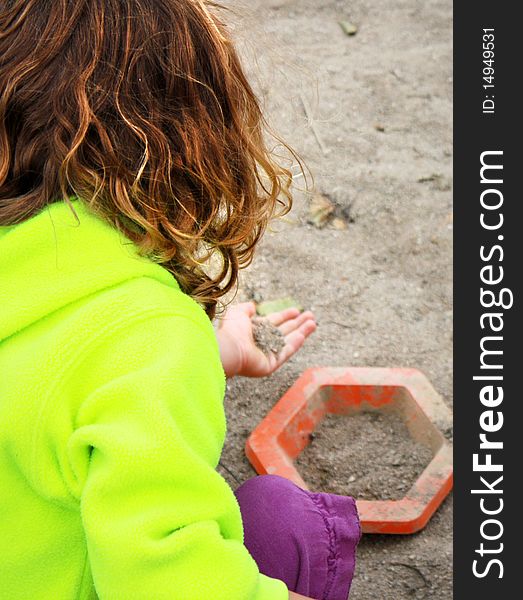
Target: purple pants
(305, 539)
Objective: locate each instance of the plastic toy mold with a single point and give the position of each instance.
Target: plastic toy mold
(276, 442)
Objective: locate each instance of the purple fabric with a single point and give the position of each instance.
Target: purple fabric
(306, 539)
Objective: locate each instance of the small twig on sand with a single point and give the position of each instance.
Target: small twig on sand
(413, 568)
(344, 325)
(312, 124)
(230, 472)
(397, 75)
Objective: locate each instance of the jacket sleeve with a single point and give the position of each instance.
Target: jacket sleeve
(159, 521)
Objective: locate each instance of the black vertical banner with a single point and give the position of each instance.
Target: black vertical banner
(488, 268)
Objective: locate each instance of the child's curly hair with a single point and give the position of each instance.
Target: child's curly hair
(142, 109)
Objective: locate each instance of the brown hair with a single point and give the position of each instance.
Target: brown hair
(142, 109)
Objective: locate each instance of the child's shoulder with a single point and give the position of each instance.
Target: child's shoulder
(56, 264)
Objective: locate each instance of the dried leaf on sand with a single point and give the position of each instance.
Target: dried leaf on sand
(320, 211)
(348, 28)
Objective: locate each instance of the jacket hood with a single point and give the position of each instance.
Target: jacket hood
(51, 260)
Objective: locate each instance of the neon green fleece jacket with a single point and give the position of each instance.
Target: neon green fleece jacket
(111, 426)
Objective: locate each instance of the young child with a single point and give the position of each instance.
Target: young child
(134, 183)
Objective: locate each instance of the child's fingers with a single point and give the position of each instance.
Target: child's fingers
(278, 318)
(295, 340)
(293, 324)
(307, 328)
(294, 343)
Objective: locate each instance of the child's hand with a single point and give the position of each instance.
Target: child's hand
(238, 351)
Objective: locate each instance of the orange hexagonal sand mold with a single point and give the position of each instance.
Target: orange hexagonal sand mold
(276, 442)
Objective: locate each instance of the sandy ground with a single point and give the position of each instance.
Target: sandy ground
(369, 455)
(381, 289)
